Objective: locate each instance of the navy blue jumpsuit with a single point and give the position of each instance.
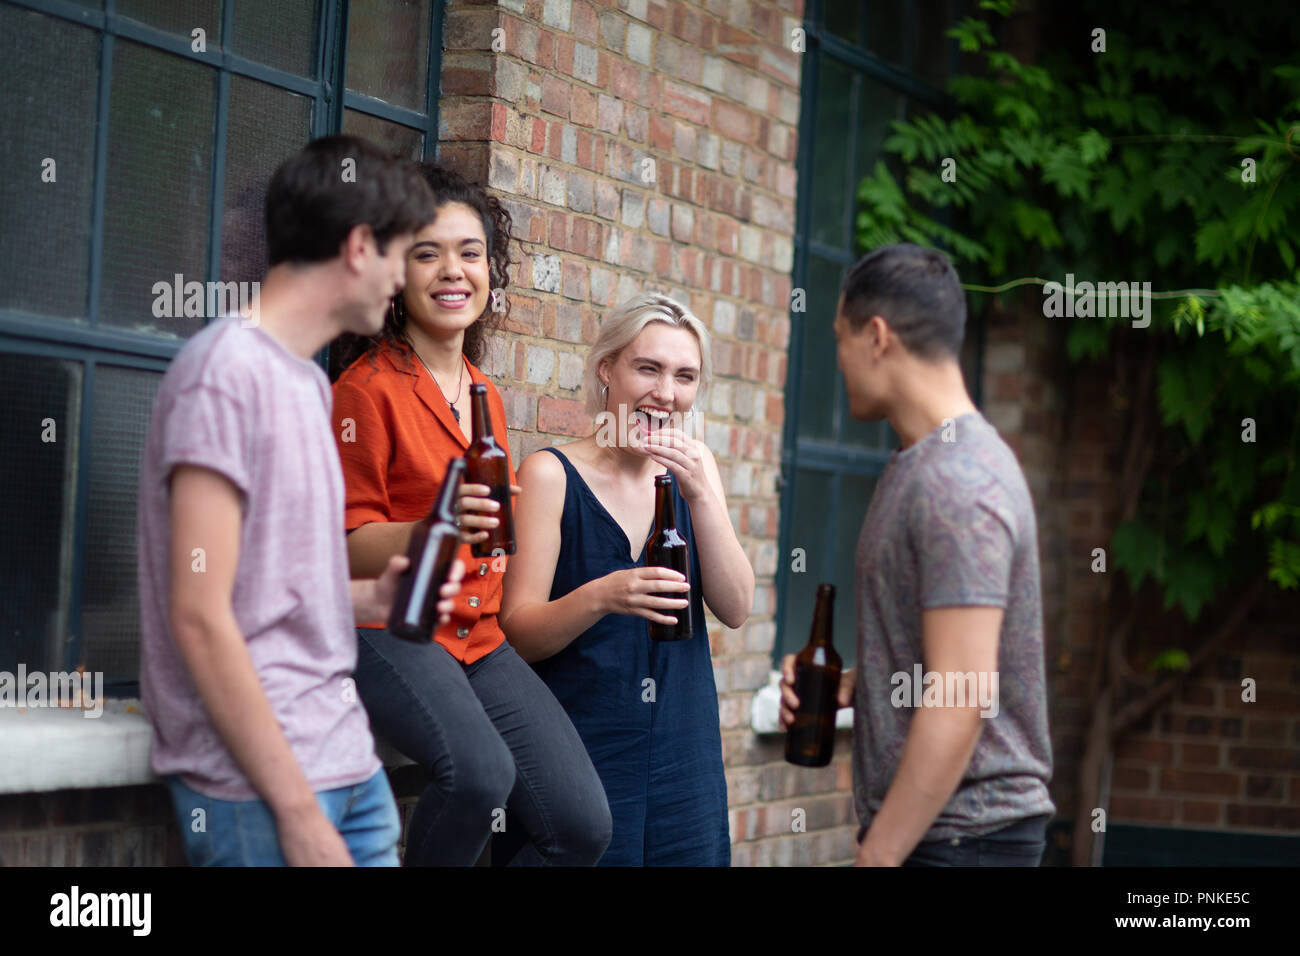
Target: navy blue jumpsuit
(656, 746)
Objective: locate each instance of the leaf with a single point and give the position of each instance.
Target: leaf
(1137, 549)
(1174, 659)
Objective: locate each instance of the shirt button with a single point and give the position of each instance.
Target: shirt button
(482, 569)
(462, 632)
(473, 602)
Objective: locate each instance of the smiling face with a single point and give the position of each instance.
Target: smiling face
(447, 277)
(654, 377)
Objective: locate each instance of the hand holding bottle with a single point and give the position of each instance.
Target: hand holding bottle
(640, 592)
(476, 510)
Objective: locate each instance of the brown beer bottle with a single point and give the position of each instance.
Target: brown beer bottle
(434, 541)
(486, 463)
(666, 548)
(811, 738)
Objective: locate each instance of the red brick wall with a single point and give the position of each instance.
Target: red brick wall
(559, 122)
(1206, 759)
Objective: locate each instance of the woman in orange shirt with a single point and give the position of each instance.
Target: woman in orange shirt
(466, 706)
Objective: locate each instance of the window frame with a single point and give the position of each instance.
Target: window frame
(832, 457)
(84, 339)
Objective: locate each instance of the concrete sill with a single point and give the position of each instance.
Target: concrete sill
(61, 748)
(765, 710)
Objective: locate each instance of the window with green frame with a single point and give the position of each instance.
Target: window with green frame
(139, 139)
(865, 64)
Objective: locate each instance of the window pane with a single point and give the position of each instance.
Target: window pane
(933, 49)
(177, 16)
(38, 431)
(159, 187)
(885, 27)
(817, 368)
(831, 189)
(379, 65)
(278, 123)
(123, 401)
(878, 105)
(280, 34)
(844, 19)
(808, 530)
(50, 72)
(391, 136)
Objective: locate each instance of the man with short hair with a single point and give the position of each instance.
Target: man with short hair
(246, 607)
(954, 772)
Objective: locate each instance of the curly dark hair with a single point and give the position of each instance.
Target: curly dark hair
(448, 187)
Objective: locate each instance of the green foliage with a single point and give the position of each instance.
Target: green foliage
(1128, 166)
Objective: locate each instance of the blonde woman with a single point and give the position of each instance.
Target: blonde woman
(579, 597)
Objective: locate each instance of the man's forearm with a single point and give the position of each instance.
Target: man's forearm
(935, 755)
(219, 664)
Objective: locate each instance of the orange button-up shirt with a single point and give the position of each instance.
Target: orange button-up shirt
(396, 438)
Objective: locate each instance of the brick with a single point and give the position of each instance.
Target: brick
(1264, 758)
(638, 43)
(1199, 754)
(581, 194)
(587, 64)
(582, 108)
(684, 142)
(555, 95)
(575, 280)
(546, 273)
(660, 133)
(469, 29)
(465, 120)
(633, 214)
(570, 371)
(1200, 782)
(541, 365)
(557, 13)
(1267, 731)
(733, 122)
(466, 75)
(636, 123)
(1264, 816)
(609, 113)
(1260, 787)
(687, 103)
(1202, 812)
(613, 31)
(561, 416)
(657, 216)
(1149, 751)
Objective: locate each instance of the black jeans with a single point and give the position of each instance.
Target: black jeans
(494, 737)
(1020, 844)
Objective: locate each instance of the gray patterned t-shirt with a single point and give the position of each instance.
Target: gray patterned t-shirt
(951, 523)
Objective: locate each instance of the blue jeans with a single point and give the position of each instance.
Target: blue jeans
(242, 832)
(1020, 844)
(494, 739)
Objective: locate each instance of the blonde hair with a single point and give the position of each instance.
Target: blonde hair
(625, 323)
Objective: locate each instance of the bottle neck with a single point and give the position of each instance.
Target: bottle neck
(665, 516)
(444, 508)
(482, 421)
(823, 616)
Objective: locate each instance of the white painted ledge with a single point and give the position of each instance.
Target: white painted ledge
(59, 748)
(765, 710)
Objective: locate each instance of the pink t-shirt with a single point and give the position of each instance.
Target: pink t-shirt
(235, 401)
